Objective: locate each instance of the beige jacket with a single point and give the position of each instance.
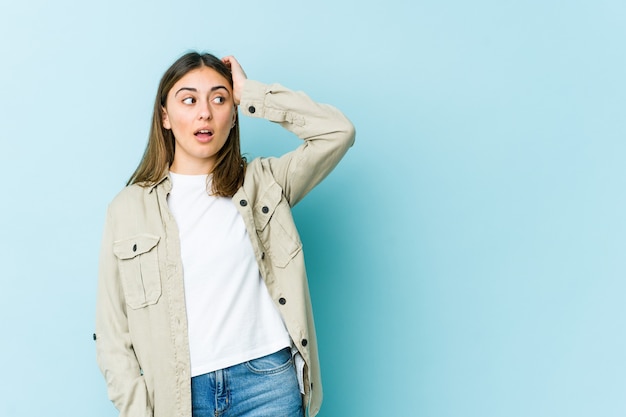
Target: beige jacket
(141, 328)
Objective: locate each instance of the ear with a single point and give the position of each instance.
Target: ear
(234, 118)
(166, 119)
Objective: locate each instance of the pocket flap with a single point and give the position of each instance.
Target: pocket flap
(136, 245)
(266, 205)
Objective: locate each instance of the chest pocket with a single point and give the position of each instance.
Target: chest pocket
(275, 226)
(139, 269)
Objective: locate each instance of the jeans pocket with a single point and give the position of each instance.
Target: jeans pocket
(271, 364)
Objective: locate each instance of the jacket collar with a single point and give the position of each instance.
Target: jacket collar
(165, 180)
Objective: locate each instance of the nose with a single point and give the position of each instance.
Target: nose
(205, 111)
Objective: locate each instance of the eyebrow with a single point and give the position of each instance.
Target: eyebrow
(195, 90)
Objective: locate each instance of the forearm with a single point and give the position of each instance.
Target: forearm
(327, 133)
(114, 351)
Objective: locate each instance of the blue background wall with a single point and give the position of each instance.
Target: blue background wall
(466, 259)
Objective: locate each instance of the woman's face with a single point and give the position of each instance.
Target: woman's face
(200, 112)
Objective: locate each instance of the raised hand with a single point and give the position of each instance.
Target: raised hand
(239, 76)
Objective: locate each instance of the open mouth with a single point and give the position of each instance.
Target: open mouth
(204, 134)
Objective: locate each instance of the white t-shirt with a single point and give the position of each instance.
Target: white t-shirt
(230, 314)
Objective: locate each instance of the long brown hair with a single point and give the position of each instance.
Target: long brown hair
(229, 169)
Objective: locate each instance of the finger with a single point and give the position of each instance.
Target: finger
(229, 60)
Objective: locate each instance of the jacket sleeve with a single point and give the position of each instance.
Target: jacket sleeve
(326, 132)
(114, 348)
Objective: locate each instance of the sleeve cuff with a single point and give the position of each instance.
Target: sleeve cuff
(252, 98)
(270, 102)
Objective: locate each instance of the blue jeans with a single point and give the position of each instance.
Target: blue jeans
(267, 386)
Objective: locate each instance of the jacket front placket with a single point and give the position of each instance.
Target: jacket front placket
(175, 297)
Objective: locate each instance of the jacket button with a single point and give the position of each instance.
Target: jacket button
(243, 203)
(251, 109)
(282, 301)
(305, 342)
(135, 247)
(265, 209)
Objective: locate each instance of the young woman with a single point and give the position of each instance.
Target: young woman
(203, 303)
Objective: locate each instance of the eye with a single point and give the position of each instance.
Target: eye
(219, 100)
(189, 100)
